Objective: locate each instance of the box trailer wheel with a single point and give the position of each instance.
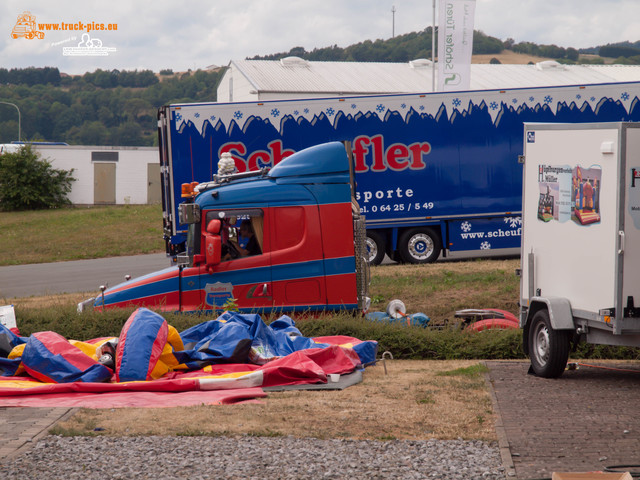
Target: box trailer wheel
(419, 245)
(375, 247)
(548, 348)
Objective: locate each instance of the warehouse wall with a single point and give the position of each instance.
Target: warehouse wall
(108, 175)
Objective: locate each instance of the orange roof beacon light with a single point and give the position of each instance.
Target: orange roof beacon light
(188, 189)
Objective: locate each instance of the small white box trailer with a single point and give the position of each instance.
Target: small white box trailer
(580, 272)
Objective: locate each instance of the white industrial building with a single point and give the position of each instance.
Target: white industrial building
(108, 175)
(293, 77)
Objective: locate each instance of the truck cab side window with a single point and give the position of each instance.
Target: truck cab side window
(242, 233)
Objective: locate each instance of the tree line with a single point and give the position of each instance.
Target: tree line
(411, 46)
(100, 78)
(401, 48)
(97, 108)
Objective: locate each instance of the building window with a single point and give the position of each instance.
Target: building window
(104, 156)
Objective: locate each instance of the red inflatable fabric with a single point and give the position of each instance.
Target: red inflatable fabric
(137, 399)
(49, 357)
(140, 345)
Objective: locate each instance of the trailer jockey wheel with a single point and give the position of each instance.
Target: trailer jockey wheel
(548, 348)
(419, 245)
(375, 247)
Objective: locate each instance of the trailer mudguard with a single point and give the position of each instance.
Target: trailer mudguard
(559, 310)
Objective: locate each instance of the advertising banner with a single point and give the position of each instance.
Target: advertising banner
(455, 43)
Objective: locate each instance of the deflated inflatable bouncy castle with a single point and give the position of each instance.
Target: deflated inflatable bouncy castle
(233, 351)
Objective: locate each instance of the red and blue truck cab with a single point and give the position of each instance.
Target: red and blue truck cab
(287, 239)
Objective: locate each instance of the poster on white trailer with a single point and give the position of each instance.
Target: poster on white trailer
(634, 197)
(569, 193)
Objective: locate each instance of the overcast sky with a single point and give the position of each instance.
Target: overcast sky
(157, 34)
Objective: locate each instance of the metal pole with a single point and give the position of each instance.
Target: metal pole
(393, 21)
(14, 105)
(433, 49)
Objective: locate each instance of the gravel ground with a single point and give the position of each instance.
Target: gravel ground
(196, 458)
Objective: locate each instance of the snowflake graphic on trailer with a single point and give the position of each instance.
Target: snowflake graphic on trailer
(514, 222)
(624, 96)
(456, 102)
(465, 227)
(548, 99)
(381, 108)
(238, 114)
(485, 246)
(275, 112)
(330, 111)
(493, 105)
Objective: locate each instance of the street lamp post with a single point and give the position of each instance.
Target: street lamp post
(14, 105)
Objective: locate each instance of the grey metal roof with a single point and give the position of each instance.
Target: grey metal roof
(295, 75)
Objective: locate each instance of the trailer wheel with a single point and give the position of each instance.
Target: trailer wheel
(548, 348)
(420, 245)
(375, 247)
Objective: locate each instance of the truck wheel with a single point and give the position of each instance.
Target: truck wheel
(375, 248)
(419, 245)
(548, 348)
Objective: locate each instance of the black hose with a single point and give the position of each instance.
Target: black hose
(623, 468)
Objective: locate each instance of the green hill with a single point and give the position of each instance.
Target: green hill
(97, 108)
(119, 107)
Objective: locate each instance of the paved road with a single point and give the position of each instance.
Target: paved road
(21, 427)
(77, 276)
(586, 420)
(87, 275)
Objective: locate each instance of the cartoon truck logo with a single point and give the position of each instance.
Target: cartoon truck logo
(26, 27)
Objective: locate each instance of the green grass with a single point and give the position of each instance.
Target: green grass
(77, 233)
(441, 289)
(472, 371)
(412, 343)
(403, 342)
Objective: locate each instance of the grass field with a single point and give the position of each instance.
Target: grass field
(77, 233)
(442, 288)
(407, 399)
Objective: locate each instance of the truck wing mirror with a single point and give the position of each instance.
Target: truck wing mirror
(213, 227)
(212, 244)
